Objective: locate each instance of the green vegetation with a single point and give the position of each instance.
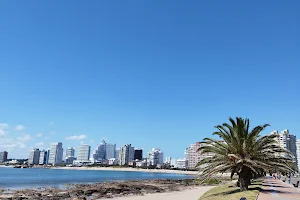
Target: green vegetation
(243, 152)
(230, 192)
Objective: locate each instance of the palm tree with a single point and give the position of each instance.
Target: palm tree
(243, 152)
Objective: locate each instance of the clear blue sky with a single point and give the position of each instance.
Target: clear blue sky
(150, 73)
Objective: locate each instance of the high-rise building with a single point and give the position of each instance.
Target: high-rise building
(110, 150)
(291, 145)
(99, 153)
(56, 153)
(48, 155)
(193, 156)
(173, 162)
(155, 157)
(70, 152)
(34, 157)
(84, 151)
(3, 156)
(105, 151)
(117, 154)
(43, 157)
(287, 141)
(126, 154)
(138, 154)
(298, 154)
(168, 160)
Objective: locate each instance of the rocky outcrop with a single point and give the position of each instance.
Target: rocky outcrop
(99, 190)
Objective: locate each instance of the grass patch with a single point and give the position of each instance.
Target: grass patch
(231, 192)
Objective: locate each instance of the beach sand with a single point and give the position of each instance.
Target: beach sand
(131, 170)
(188, 194)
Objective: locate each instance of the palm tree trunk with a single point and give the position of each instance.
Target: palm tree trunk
(243, 183)
(244, 178)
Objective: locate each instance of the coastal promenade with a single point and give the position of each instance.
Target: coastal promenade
(274, 189)
(188, 194)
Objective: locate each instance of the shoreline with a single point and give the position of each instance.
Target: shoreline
(136, 189)
(194, 173)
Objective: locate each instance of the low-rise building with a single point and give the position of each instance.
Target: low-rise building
(141, 163)
(70, 160)
(113, 161)
(182, 163)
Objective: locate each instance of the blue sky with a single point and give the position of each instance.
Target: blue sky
(150, 73)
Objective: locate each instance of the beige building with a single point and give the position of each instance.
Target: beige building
(193, 156)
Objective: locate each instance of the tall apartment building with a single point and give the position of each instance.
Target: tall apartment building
(117, 153)
(56, 153)
(70, 155)
(105, 151)
(34, 157)
(3, 156)
(168, 160)
(287, 141)
(70, 152)
(126, 154)
(110, 151)
(84, 151)
(99, 153)
(155, 157)
(43, 157)
(193, 156)
(298, 154)
(138, 154)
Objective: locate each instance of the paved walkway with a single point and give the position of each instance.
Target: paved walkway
(278, 190)
(189, 194)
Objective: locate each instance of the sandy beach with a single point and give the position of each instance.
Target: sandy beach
(130, 170)
(188, 194)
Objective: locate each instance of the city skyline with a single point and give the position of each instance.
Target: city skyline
(94, 144)
(148, 73)
(106, 153)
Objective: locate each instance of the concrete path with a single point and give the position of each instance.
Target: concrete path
(189, 194)
(278, 190)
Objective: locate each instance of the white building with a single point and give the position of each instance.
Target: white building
(173, 162)
(298, 154)
(141, 163)
(34, 157)
(155, 157)
(84, 151)
(181, 163)
(43, 157)
(112, 161)
(168, 160)
(56, 153)
(70, 152)
(126, 154)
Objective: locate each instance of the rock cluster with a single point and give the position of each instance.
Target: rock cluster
(98, 190)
